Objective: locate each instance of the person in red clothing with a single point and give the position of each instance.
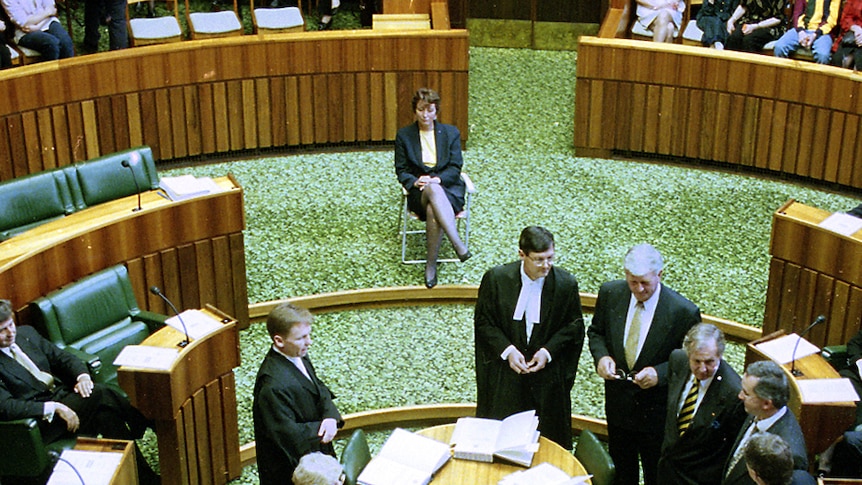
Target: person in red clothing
(847, 48)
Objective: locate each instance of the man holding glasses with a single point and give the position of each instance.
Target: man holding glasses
(529, 332)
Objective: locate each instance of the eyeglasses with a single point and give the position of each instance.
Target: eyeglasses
(542, 261)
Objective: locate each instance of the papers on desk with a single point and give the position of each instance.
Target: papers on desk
(544, 474)
(96, 467)
(842, 223)
(187, 186)
(147, 357)
(198, 323)
(513, 439)
(405, 459)
(781, 349)
(827, 390)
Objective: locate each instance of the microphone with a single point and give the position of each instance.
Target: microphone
(793, 370)
(156, 291)
(134, 158)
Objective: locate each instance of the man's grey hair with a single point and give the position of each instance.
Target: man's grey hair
(701, 335)
(643, 259)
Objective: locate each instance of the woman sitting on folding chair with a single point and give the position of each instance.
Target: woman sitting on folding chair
(428, 164)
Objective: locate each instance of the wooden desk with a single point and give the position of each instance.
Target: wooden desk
(813, 272)
(821, 423)
(126, 472)
(464, 472)
(193, 404)
(193, 250)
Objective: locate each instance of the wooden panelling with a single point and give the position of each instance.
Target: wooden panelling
(778, 115)
(233, 94)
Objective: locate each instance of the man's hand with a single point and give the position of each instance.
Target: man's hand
(328, 428)
(538, 362)
(646, 378)
(607, 368)
(84, 387)
(69, 416)
(517, 362)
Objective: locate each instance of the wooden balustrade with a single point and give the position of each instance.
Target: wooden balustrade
(199, 98)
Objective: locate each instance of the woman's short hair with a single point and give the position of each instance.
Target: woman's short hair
(283, 317)
(643, 259)
(535, 239)
(771, 382)
(317, 469)
(770, 458)
(428, 95)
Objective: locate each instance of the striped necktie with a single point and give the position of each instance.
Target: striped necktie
(686, 414)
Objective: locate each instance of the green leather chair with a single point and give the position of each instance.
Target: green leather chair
(95, 317)
(595, 458)
(26, 457)
(355, 456)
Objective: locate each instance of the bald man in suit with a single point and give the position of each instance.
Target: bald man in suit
(704, 413)
(634, 363)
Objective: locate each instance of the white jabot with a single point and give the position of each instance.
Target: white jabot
(529, 306)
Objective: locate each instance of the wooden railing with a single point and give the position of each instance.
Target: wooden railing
(238, 94)
(746, 111)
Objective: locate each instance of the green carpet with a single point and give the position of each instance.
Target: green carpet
(328, 222)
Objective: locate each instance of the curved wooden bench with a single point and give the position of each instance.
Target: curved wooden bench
(229, 95)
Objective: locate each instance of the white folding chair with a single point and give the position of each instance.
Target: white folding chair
(409, 218)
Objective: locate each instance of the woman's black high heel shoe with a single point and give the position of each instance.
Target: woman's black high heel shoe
(465, 256)
(432, 281)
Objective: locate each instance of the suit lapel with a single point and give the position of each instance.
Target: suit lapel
(618, 323)
(656, 329)
(441, 143)
(17, 371)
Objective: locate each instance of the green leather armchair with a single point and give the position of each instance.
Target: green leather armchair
(26, 457)
(95, 317)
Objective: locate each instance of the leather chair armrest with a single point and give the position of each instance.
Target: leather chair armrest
(154, 321)
(836, 355)
(94, 363)
(28, 456)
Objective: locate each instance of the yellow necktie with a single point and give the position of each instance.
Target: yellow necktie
(686, 414)
(31, 367)
(634, 336)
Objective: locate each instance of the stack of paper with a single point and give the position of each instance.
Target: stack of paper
(781, 349)
(97, 468)
(187, 186)
(544, 474)
(514, 439)
(198, 323)
(405, 459)
(827, 390)
(147, 357)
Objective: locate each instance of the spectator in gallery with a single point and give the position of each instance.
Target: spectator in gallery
(37, 27)
(662, 17)
(847, 47)
(811, 25)
(754, 23)
(105, 12)
(712, 20)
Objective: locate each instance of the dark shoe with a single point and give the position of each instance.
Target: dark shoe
(465, 256)
(431, 283)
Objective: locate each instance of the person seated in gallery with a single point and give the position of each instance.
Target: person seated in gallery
(318, 469)
(810, 27)
(712, 20)
(847, 47)
(428, 165)
(37, 27)
(755, 23)
(662, 17)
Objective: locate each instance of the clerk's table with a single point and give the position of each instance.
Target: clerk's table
(465, 472)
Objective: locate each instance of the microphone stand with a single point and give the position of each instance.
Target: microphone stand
(126, 164)
(156, 291)
(793, 370)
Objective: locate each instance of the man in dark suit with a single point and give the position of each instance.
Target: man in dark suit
(769, 461)
(764, 395)
(637, 323)
(529, 333)
(39, 380)
(293, 410)
(703, 414)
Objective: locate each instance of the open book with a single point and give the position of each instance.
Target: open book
(513, 439)
(405, 459)
(544, 474)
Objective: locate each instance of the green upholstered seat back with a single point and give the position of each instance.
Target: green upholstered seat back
(31, 200)
(105, 178)
(25, 454)
(595, 458)
(355, 456)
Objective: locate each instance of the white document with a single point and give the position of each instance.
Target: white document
(147, 357)
(97, 468)
(842, 223)
(405, 459)
(515, 438)
(187, 186)
(542, 474)
(781, 349)
(827, 390)
(198, 323)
